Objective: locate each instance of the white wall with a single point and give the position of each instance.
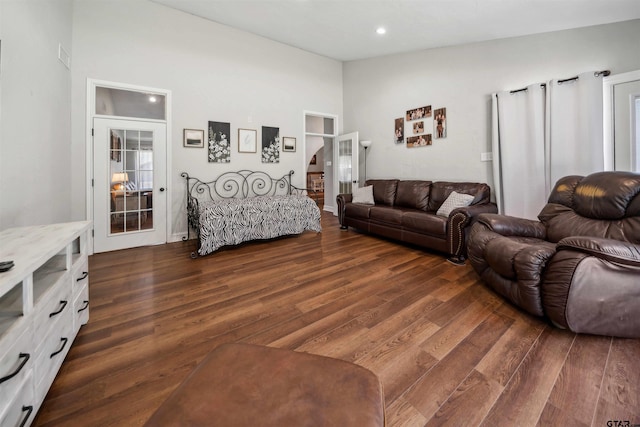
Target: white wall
(461, 78)
(35, 108)
(214, 72)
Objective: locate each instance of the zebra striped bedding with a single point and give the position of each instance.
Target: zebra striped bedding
(232, 221)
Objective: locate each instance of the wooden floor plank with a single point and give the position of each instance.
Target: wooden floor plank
(526, 394)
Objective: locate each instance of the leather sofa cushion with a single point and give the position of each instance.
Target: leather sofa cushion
(425, 223)
(384, 190)
(440, 191)
(386, 214)
(357, 210)
(591, 196)
(413, 194)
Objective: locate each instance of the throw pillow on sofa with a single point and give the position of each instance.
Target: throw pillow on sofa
(454, 201)
(363, 195)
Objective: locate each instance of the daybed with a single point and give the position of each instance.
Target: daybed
(579, 265)
(241, 206)
(415, 212)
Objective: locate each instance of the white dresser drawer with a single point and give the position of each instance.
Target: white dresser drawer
(22, 409)
(81, 308)
(57, 302)
(52, 352)
(15, 363)
(80, 274)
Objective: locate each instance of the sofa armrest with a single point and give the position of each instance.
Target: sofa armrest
(611, 250)
(513, 226)
(458, 221)
(341, 201)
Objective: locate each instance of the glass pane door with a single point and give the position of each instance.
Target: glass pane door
(346, 160)
(345, 172)
(131, 173)
(129, 192)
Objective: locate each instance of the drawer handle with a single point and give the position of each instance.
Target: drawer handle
(64, 344)
(24, 356)
(84, 276)
(64, 304)
(28, 410)
(86, 305)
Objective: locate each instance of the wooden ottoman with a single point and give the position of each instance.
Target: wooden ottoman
(250, 385)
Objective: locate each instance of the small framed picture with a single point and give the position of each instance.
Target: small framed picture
(193, 138)
(247, 141)
(288, 143)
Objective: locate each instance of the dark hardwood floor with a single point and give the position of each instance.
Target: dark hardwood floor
(447, 350)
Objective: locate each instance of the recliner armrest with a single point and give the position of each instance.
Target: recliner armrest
(513, 226)
(608, 249)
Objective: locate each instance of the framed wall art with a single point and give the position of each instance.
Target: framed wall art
(219, 147)
(193, 138)
(270, 144)
(440, 123)
(399, 130)
(288, 143)
(247, 141)
(419, 141)
(419, 113)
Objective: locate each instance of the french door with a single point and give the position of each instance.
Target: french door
(346, 163)
(129, 197)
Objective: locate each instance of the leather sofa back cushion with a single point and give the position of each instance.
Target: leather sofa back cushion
(413, 194)
(441, 190)
(384, 190)
(596, 207)
(616, 197)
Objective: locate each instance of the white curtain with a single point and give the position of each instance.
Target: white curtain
(518, 151)
(542, 133)
(575, 127)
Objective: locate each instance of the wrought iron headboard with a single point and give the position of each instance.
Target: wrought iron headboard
(240, 185)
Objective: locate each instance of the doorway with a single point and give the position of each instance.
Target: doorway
(128, 157)
(320, 130)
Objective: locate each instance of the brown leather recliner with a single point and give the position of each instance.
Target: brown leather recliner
(579, 265)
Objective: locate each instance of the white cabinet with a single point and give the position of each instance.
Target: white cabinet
(44, 299)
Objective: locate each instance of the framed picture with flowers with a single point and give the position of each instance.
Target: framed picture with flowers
(219, 147)
(270, 144)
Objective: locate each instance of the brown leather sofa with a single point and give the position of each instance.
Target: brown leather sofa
(579, 265)
(406, 211)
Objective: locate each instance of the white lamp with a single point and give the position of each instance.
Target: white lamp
(366, 144)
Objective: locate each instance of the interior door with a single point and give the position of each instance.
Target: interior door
(346, 163)
(626, 126)
(129, 197)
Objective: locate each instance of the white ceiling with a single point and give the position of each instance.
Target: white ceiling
(346, 29)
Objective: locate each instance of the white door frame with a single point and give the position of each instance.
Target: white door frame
(91, 113)
(305, 164)
(608, 84)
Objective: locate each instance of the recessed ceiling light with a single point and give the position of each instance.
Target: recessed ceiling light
(381, 30)
(152, 99)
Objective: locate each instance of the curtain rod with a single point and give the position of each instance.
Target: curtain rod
(525, 89)
(603, 73)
